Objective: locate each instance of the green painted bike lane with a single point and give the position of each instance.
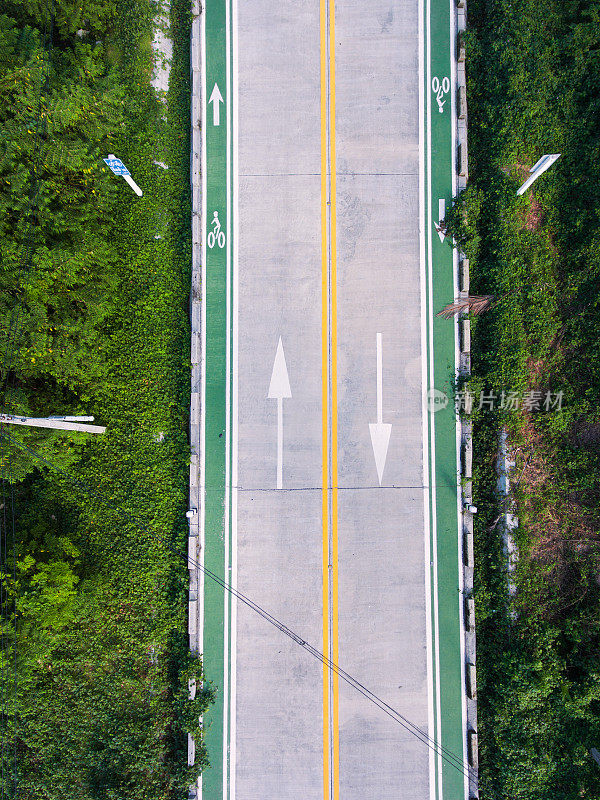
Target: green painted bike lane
(447, 558)
(216, 428)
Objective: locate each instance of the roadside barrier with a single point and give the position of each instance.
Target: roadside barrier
(194, 542)
(466, 450)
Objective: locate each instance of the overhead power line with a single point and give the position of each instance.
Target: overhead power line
(447, 755)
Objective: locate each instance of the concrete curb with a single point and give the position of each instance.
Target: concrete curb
(194, 542)
(466, 450)
(195, 314)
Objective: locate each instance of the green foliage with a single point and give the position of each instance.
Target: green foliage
(101, 665)
(190, 711)
(97, 714)
(533, 88)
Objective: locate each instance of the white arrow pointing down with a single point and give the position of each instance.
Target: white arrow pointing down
(278, 389)
(380, 430)
(441, 216)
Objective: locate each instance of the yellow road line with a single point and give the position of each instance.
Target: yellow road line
(329, 344)
(324, 359)
(334, 431)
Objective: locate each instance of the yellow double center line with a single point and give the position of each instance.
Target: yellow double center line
(331, 740)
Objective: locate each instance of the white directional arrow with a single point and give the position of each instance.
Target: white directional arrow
(216, 98)
(441, 215)
(380, 430)
(278, 389)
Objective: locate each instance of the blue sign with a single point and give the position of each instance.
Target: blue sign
(117, 166)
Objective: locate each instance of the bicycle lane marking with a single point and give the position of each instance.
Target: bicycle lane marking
(435, 760)
(446, 555)
(215, 399)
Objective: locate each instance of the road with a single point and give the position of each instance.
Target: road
(329, 487)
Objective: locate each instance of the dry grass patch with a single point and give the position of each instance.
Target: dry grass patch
(534, 214)
(559, 531)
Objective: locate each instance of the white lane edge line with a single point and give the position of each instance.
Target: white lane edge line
(234, 466)
(424, 409)
(226, 531)
(330, 411)
(424, 373)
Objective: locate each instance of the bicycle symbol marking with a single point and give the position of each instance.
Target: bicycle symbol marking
(216, 236)
(440, 89)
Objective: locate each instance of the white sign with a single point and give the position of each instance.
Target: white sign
(117, 166)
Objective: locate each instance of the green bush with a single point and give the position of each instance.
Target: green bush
(533, 88)
(97, 601)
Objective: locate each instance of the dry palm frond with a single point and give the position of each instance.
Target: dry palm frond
(476, 304)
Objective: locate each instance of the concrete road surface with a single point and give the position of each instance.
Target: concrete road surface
(329, 487)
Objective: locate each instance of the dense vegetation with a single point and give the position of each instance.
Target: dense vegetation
(533, 83)
(93, 318)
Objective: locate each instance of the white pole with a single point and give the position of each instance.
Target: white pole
(133, 185)
(48, 422)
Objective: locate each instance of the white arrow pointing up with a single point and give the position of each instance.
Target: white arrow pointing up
(380, 430)
(278, 389)
(216, 98)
